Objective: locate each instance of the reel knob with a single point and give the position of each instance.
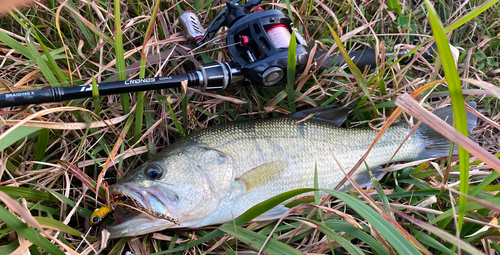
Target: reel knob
(272, 76)
(191, 26)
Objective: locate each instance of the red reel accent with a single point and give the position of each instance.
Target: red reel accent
(244, 41)
(196, 39)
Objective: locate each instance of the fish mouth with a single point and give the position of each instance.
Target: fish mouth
(151, 198)
(140, 210)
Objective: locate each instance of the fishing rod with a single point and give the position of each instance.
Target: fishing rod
(257, 42)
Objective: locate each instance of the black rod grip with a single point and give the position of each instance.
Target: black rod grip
(361, 58)
(364, 58)
(28, 97)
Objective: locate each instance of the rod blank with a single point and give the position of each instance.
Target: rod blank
(58, 94)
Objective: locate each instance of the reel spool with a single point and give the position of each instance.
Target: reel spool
(279, 35)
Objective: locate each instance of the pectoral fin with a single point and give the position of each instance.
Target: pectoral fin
(263, 174)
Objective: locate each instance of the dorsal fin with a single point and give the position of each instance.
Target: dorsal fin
(328, 113)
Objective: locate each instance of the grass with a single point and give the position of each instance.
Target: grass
(49, 171)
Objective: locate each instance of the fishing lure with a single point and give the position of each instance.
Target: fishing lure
(100, 214)
(104, 212)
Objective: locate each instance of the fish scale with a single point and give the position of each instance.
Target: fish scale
(216, 174)
(251, 145)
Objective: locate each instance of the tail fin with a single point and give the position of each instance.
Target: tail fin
(433, 143)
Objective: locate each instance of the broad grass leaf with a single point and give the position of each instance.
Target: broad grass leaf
(30, 234)
(346, 244)
(398, 241)
(470, 206)
(44, 221)
(257, 240)
(343, 226)
(28, 193)
(16, 135)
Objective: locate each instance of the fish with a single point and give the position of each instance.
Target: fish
(214, 175)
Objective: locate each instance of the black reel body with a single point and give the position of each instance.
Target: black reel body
(258, 43)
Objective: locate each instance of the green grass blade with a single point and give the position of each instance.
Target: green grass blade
(289, 9)
(51, 62)
(257, 240)
(431, 242)
(85, 31)
(139, 115)
(16, 135)
(441, 233)
(95, 97)
(457, 101)
(398, 241)
(470, 15)
(485, 182)
(352, 67)
(44, 221)
(27, 232)
(119, 246)
(120, 58)
(9, 248)
(317, 199)
(351, 248)
(139, 109)
(380, 191)
(470, 206)
(41, 63)
(17, 46)
(176, 122)
(41, 144)
(290, 71)
(28, 193)
(343, 226)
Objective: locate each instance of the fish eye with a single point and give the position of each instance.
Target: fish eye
(154, 172)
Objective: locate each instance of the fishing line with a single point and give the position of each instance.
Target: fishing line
(83, 239)
(280, 36)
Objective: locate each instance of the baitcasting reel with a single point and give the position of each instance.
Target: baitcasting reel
(257, 41)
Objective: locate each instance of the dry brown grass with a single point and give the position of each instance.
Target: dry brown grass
(74, 153)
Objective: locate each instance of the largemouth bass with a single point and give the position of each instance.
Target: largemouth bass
(216, 174)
